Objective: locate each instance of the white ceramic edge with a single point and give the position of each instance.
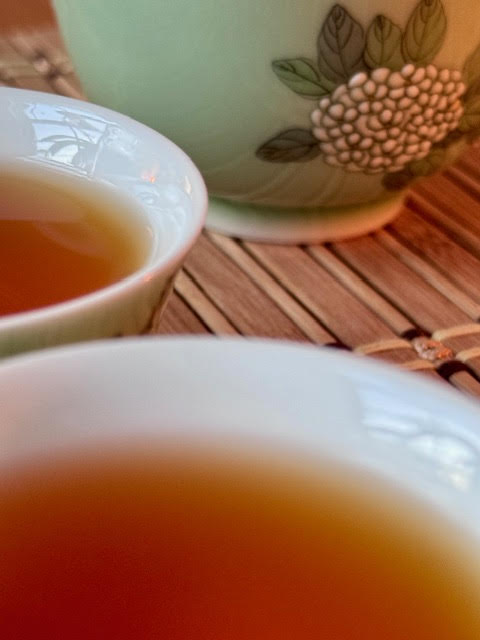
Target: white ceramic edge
(298, 228)
(165, 264)
(353, 362)
(348, 364)
(242, 413)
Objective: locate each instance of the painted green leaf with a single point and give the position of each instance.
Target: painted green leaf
(340, 46)
(301, 76)
(472, 66)
(425, 32)
(471, 74)
(294, 145)
(452, 138)
(471, 116)
(428, 165)
(416, 169)
(384, 45)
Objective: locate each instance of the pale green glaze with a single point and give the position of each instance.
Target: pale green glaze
(201, 73)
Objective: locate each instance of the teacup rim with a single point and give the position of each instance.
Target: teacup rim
(164, 263)
(160, 363)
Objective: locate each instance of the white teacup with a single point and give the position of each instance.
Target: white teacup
(263, 395)
(418, 444)
(161, 191)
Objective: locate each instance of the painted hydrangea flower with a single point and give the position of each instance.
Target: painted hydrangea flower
(383, 106)
(381, 121)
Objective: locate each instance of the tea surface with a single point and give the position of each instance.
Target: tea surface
(144, 548)
(62, 237)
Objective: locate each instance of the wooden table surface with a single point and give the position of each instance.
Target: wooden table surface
(409, 294)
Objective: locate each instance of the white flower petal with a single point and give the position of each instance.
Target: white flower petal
(347, 101)
(405, 102)
(396, 80)
(369, 87)
(328, 148)
(362, 127)
(376, 162)
(390, 104)
(339, 92)
(402, 160)
(381, 135)
(380, 75)
(449, 87)
(412, 149)
(332, 160)
(357, 80)
(394, 132)
(357, 94)
(408, 70)
(418, 76)
(398, 118)
(424, 99)
(386, 116)
(397, 93)
(425, 85)
(389, 146)
(374, 123)
(350, 115)
(316, 117)
(381, 92)
(321, 134)
(413, 91)
(341, 144)
(364, 107)
(336, 111)
(366, 143)
(328, 122)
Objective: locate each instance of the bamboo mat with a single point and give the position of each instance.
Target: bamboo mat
(409, 294)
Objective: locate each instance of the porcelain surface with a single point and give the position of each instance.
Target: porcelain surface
(300, 401)
(103, 149)
(290, 106)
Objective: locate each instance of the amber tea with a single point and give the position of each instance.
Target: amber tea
(182, 547)
(62, 237)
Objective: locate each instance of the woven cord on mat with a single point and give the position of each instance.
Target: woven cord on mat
(409, 294)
